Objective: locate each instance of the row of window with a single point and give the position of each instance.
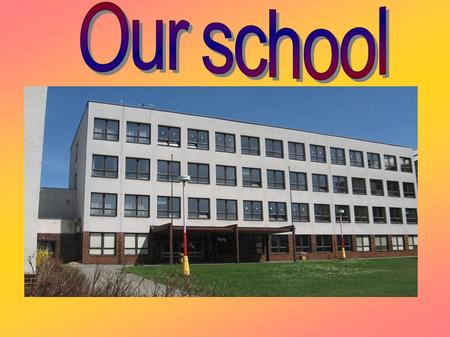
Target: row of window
(324, 243)
(137, 243)
(106, 129)
(105, 204)
(139, 168)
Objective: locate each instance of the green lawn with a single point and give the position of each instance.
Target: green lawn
(356, 277)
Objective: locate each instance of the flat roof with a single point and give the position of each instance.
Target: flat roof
(236, 121)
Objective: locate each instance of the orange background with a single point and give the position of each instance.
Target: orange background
(40, 46)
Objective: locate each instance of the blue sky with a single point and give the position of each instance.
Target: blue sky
(383, 114)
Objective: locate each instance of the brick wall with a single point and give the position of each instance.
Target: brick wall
(30, 284)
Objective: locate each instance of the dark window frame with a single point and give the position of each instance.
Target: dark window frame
(252, 182)
(377, 218)
(139, 139)
(170, 175)
(196, 178)
(337, 182)
(405, 166)
(363, 247)
(103, 209)
(199, 213)
(106, 135)
(303, 243)
(137, 175)
(374, 189)
(356, 189)
(196, 143)
(407, 192)
(324, 243)
(395, 218)
(393, 192)
(296, 154)
(226, 181)
(361, 218)
(105, 170)
(227, 215)
(381, 247)
(270, 148)
(321, 216)
(374, 160)
(346, 217)
(299, 216)
(224, 147)
(411, 220)
(136, 245)
(280, 213)
(171, 211)
(320, 187)
(314, 153)
(249, 150)
(355, 161)
(294, 183)
(337, 159)
(252, 214)
(136, 211)
(276, 183)
(279, 244)
(388, 165)
(168, 141)
(102, 244)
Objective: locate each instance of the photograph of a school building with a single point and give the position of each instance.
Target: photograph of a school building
(256, 192)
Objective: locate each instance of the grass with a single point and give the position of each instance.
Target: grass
(356, 277)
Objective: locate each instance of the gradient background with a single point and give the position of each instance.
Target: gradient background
(40, 46)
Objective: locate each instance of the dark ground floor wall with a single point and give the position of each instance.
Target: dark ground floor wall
(212, 248)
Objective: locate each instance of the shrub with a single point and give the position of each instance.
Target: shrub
(42, 255)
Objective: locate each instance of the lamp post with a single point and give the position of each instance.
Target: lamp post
(186, 272)
(340, 212)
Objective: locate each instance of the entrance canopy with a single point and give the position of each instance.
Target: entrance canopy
(169, 229)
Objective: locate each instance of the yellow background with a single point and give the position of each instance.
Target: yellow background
(40, 46)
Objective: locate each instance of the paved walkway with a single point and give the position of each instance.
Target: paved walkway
(140, 286)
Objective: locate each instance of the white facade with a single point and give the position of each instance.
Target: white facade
(34, 117)
(84, 146)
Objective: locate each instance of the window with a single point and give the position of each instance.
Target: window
(138, 133)
(405, 164)
(395, 215)
(226, 209)
(300, 212)
(361, 214)
(279, 244)
(376, 187)
(102, 243)
(393, 188)
(298, 181)
(390, 163)
(169, 135)
(345, 215)
(251, 177)
(250, 145)
(226, 175)
(104, 166)
(296, 151)
(381, 243)
(340, 184)
(168, 170)
(323, 243)
(362, 243)
(168, 207)
(103, 204)
(373, 160)
(356, 158)
(347, 243)
(135, 244)
(106, 129)
(397, 242)
(359, 186)
(198, 208)
(225, 142)
(274, 148)
(411, 215)
(137, 206)
(322, 213)
(277, 211)
(303, 243)
(337, 156)
(253, 210)
(275, 179)
(317, 153)
(198, 139)
(199, 173)
(412, 242)
(137, 168)
(320, 182)
(409, 190)
(379, 214)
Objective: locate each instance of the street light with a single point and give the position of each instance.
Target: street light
(186, 272)
(340, 211)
